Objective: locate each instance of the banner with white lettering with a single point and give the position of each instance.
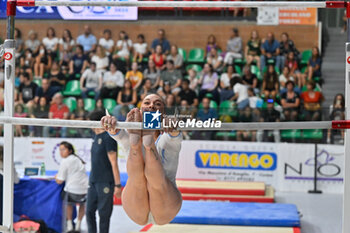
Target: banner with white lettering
(73, 13)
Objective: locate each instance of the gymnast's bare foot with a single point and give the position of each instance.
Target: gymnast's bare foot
(134, 135)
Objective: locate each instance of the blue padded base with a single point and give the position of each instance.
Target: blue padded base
(240, 214)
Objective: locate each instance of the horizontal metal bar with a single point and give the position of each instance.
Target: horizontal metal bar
(138, 125)
(244, 4)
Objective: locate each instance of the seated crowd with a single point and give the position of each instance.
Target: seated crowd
(264, 81)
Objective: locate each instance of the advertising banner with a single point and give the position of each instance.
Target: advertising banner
(73, 13)
(286, 16)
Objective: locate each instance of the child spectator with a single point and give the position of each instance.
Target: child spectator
(72, 172)
(194, 81)
(270, 114)
(252, 49)
(135, 76)
(91, 80)
(140, 48)
(270, 85)
(292, 64)
(107, 42)
(27, 61)
(215, 60)
(290, 101)
(211, 43)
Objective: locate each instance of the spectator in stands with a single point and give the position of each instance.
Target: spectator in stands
(40, 111)
(215, 60)
(158, 58)
(135, 76)
(187, 94)
(80, 114)
(255, 102)
(194, 81)
(240, 93)
(166, 90)
(99, 105)
(19, 112)
(176, 57)
(270, 114)
(246, 115)
(100, 59)
(203, 114)
(270, 84)
(140, 48)
(170, 105)
(51, 42)
(66, 43)
(91, 80)
(312, 102)
(284, 78)
(152, 74)
(290, 101)
(58, 110)
(27, 91)
(124, 46)
(19, 42)
(112, 82)
(226, 77)
(234, 48)
(270, 50)
(189, 112)
(250, 79)
(208, 83)
(42, 63)
(127, 97)
(56, 77)
(252, 49)
(147, 89)
(27, 61)
(32, 42)
(171, 76)
(107, 42)
(336, 113)
(313, 66)
(162, 41)
(87, 40)
(211, 43)
(286, 46)
(292, 64)
(78, 63)
(45, 91)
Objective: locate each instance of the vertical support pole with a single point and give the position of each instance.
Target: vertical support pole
(346, 194)
(315, 190)
(9, 56)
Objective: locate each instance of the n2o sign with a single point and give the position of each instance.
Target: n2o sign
(7, 56)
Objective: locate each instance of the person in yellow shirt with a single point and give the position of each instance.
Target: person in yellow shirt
(135, 76)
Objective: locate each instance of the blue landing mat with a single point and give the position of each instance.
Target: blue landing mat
(239, 214)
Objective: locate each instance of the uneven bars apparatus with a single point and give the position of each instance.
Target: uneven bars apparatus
(9, 120)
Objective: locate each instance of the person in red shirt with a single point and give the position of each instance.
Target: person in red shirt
(58, 110)
(312, 102)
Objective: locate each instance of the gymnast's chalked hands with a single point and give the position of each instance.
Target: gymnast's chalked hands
(109, 124)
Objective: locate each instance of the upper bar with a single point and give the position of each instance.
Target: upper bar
(138, 125)
(245, 4)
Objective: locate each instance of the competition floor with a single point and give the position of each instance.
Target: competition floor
(321, 213)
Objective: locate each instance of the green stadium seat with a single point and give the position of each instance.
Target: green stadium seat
(255, 70)
(240, 62)
(89, 104)
(196, 55)
(238, 69)
(312, 134)
(195, 67)
(72, 88)
(38, 82)
(289, 134)
(226, 135)
(71, 103)
(109, 104)
(305, 57)
(228, 108)
(183, 53)
(212, 104)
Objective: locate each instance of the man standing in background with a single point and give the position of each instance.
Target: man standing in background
(104, 181)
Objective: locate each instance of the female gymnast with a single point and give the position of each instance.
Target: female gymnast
(150, 194)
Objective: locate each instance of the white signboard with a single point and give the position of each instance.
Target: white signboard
(268, 16)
